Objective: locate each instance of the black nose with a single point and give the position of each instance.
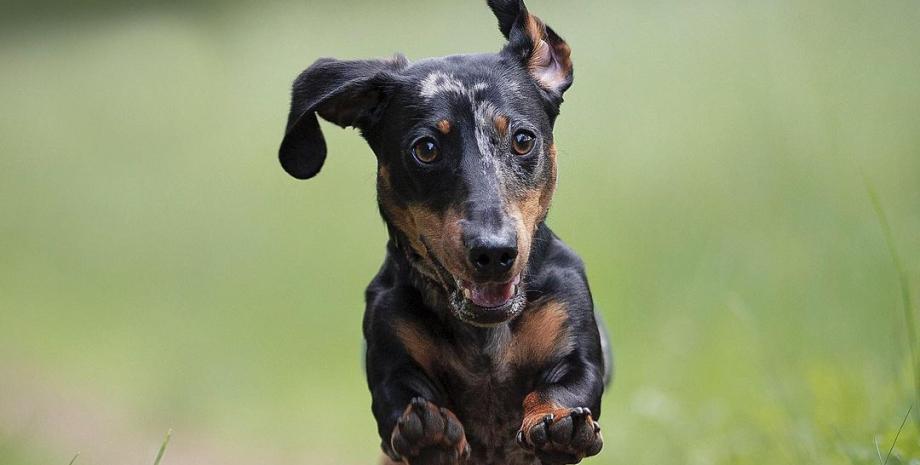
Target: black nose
(493, 256)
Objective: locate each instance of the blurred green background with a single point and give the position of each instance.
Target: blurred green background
(159, 270)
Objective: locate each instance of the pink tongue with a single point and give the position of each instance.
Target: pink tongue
(492, 295)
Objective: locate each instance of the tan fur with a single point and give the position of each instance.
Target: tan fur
(501, 125)
(420, 346)
(536, 30)
(442, 234)
(430, 354)
(403, 220)
(426, 230)
(560, 52)
(529, 209)
(541, 334)
(444, 126)
(536, 407)
(399, 216)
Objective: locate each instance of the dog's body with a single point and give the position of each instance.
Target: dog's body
(484, 375)
(482, 342)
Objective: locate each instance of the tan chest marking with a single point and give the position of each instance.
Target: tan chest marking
(542, 334)
(419, 344)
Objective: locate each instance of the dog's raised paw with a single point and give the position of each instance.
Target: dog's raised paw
(563, 436)
(426, 434)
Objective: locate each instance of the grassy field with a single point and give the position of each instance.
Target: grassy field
(159, 270)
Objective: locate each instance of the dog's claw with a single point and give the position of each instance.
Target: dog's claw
(520, 439)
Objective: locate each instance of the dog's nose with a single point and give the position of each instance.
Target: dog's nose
(493, 255)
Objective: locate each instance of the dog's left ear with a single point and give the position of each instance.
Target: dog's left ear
(546, 56)
(347, 93)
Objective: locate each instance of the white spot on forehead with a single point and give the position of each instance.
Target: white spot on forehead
(484, 112)
(440, 82)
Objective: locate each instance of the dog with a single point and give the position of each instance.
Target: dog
(482, 344)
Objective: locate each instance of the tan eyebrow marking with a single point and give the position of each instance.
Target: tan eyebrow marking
(444, 126)
(501, 124)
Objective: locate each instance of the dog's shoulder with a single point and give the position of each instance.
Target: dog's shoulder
(557, 273)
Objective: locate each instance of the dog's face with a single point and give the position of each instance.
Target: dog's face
(466, 161)
(466, 172)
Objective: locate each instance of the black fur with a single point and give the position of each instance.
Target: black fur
(343, 92)
(507, 12)
(449, 376)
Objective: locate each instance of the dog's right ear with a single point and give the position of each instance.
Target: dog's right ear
(347, 93)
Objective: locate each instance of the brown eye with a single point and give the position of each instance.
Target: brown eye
(425, 150)
(523, 142)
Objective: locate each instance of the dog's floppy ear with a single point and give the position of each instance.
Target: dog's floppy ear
(540, 49)
(347, 93)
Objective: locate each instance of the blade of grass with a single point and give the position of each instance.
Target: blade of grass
(163, 447)
(74, 459)
(878, 452)
(898, 434)
(906, 300)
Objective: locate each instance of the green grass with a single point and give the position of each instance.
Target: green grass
(162, 448)
(158, 269)
(156, 461)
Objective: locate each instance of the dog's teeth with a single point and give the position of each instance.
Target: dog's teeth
(466, 293)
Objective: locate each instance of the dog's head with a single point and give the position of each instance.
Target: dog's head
(464, 144)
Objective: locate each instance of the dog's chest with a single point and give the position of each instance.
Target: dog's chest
(486, 391)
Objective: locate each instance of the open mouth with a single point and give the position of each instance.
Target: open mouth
(488, 304)
(490, 295)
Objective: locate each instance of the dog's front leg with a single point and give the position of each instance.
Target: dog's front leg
(559, 423)
(414, 426)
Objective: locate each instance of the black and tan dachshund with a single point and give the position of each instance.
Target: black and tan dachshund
(483, 346)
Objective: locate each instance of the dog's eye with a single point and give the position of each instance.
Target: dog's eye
(523, 142)
(425, 150)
